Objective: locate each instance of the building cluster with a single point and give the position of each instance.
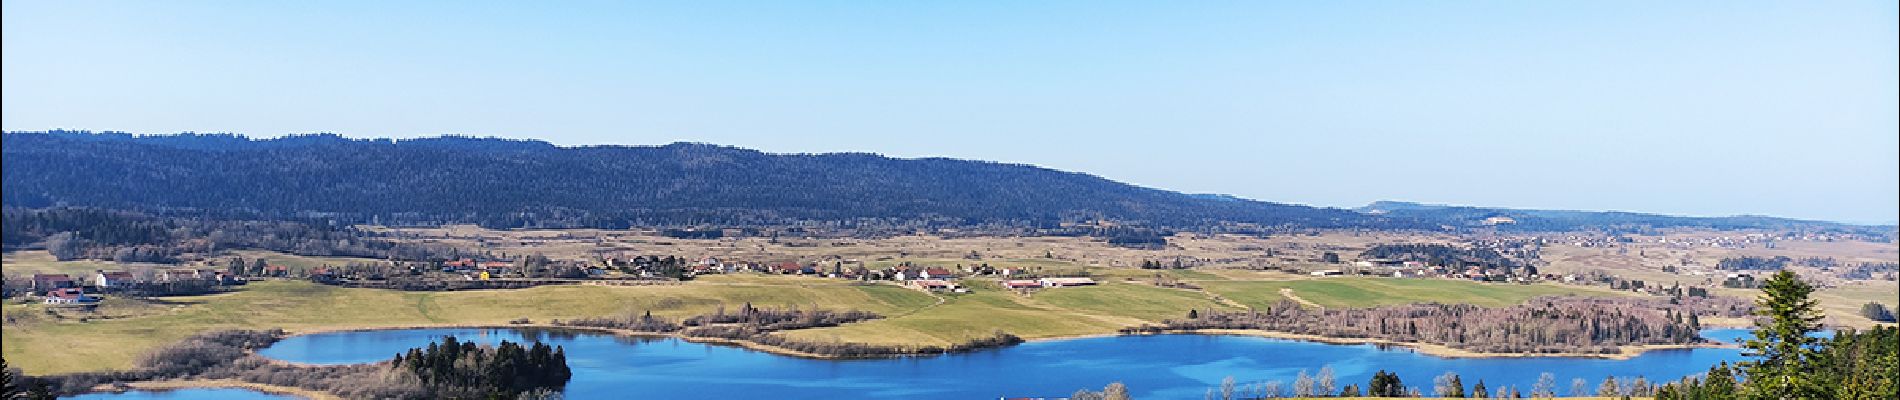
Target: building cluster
(930, 278)
(86, 289)
(1465, 271)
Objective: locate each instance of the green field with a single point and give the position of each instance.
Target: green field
(39, 262)
(39, 343)
(296, 261)
(29, 262)
(1369, 292)
(1050, 313)
(43, 342)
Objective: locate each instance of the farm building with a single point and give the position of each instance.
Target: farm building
(108, 279)
(69, 296)
(47, 283)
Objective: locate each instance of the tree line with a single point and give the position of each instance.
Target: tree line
(465, 370)
(1442, 254)
(1551, 324)
(468, 371)
(1788, 361)
(70, 233)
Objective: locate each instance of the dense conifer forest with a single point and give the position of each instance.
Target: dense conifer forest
(520, 183)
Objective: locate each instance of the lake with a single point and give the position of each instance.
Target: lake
(1153, 367)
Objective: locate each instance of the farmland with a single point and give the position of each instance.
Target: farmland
(112, 337)
(1215, 273)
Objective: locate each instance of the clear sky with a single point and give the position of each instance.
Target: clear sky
(1685, 107)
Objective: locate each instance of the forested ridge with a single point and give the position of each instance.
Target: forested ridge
(1568, 220)
(501, 183)
(509, 183)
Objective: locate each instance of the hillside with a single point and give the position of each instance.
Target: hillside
(512, 183)
(1562, 220)
(525, 183)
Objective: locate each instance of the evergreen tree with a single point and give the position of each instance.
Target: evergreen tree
(1782, 347)
(8, 389)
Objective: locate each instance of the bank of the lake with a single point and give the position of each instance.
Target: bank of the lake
(1154, 366)
(1437, 350)
(211, 391)
(272, 391)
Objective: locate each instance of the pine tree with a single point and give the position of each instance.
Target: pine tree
(7, 389)
(1783, 349)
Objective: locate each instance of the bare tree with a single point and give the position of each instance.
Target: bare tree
(1447, 385)
(65, 246)
(1546, 386)
(1227, 388)
(1579, 387)
(1303, 385)
(1608, 387)
(1639, 387)
(1327, 385)
(1274, 389)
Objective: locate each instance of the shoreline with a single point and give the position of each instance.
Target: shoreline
(181, 384)
(740, 343)
(1436, 350)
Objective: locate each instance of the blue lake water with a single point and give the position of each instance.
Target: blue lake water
(1153, 367)
(185, 394)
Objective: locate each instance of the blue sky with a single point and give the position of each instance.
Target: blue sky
(1682, 107)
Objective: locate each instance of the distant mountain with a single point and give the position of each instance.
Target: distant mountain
(1562, 220)
(528, 183)
(514, 183)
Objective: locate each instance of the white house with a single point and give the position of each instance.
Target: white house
(108, 279)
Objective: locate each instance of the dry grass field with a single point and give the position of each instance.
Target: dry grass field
(1227, 269)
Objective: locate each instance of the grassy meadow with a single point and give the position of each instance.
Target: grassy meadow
(1368, 292)
(40, 342)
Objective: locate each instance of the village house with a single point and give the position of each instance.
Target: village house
(458, 265)
(178, 275)
(1328, 272)
(323, 275)
(111, 279)
(791, 268)
(936, 285)
(69, 296)
(1022, 284)
(936, 273)
(496, 266)
(47, 283)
